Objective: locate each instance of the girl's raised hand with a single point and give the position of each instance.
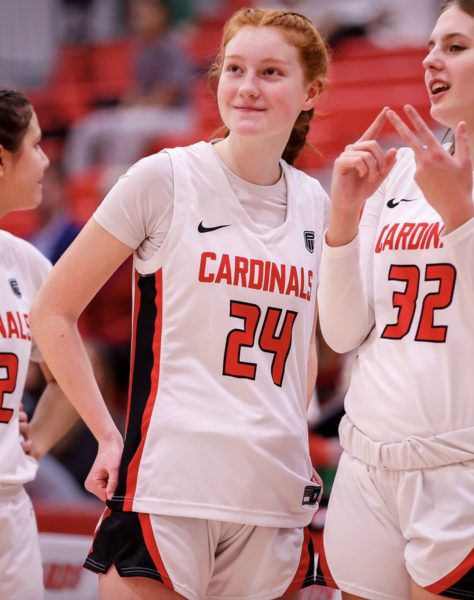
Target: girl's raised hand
(361, 168)
(445, 179)
(357, 173)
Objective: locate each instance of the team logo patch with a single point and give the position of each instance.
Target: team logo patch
(309, 240)
(311, 494)
(15, 287)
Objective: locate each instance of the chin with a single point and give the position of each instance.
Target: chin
(444, 116)
(439, 116)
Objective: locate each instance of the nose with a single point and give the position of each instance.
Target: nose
(432, 60)
(249, 85)
(45, 159)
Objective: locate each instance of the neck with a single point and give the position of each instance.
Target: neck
(256, 161)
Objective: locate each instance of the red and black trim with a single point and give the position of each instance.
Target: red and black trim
(304, 575)
(459, 583)
(144, 379)
(323, 573)
(126, 540)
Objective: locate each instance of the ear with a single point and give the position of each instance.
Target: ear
(312, 94)
(2, 157)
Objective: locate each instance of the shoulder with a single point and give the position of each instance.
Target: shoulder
(23, 250)
(306, 182)
(25, 256)
(149, 169)
(145, 176)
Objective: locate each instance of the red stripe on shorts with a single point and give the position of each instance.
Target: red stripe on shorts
(303, 566)
(323, 563)
(151, 546)
(451, 578)
(103, 516)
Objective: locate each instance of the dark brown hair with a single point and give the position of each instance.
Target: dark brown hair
(15, 116)
(466, 5)
(299, 32)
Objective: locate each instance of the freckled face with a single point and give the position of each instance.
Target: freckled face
(449, 68)
(261, 88)
(23, 172)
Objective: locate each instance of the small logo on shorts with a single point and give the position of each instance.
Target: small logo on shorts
(15, 287)
(311, 494)
(309, 240)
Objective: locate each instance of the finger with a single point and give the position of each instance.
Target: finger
(404, 132)
(352, 162)
(111, 486)
(424, 132)
(461, 142)
(366, 164)
(376, 126)
(27, 447)
(370, 146)
(96, 485)
(390, 160)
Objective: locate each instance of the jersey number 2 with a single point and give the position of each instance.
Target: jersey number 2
(269, 341)
(406, 301)
(8, 375)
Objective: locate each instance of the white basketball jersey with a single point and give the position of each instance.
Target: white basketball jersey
(22, 269)
(223, 315)
(413, 374)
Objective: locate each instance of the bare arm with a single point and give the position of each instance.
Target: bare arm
(53, 417)
(76, 278)
(345, 315)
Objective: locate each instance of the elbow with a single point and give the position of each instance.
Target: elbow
(341, 341)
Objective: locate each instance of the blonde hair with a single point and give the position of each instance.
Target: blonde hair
(313, 55)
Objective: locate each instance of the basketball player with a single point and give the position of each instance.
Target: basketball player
(215, 486)
(399, 288)
(22, 269)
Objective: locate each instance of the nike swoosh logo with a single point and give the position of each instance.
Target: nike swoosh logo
(393, 202)
(203, 229)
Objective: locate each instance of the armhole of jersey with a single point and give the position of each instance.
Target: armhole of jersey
(182, 196)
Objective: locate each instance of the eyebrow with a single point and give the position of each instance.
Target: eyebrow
(448, 37)
(267, 60)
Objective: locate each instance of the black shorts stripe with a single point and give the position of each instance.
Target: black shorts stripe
(141, 378)
(463, 589)
(309, 577)
(119, 541)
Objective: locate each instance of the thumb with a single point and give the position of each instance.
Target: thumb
(461, 142)
(112, 483)
(390, 159)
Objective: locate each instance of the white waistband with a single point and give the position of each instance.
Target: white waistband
(10, 492)
(411, 453)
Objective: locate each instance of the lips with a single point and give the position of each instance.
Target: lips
(437, 87)
(249, 108)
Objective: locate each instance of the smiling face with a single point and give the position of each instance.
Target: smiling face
(449, 68)
(262, 88)
(21, 172)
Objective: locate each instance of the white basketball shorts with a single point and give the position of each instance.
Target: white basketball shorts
(21, 572)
